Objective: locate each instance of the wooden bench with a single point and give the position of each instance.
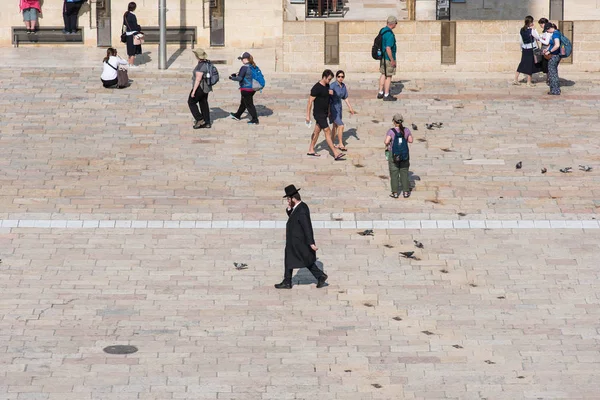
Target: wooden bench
(182, 34)
(46, 34)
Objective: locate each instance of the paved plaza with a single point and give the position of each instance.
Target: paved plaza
(120, 224)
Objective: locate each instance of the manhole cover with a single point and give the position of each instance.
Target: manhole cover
(120, 349)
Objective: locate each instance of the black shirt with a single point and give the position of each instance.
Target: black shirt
(321, 94)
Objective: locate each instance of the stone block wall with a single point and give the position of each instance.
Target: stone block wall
(481, 46)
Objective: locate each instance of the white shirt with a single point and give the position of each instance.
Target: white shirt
(533, 45)
(545, 39)
(109, 73)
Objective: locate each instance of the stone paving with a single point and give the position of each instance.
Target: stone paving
(119, 224)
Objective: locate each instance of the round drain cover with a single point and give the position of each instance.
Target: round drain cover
(120, 349)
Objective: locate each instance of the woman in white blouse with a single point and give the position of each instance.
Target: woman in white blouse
(545, 42)
(528, 36)
(111, 64)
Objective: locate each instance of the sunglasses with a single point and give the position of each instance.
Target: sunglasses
(341, 76)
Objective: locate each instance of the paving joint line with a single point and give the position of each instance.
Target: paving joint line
(277, 224)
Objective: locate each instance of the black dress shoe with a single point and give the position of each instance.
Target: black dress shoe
(321, 281)
(283, 285)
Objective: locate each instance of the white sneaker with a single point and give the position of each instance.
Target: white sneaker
(131, 66)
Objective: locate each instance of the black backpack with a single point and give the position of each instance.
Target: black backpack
(377, 49)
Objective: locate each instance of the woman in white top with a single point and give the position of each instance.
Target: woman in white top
(111, 65)
(527, 66)
(545, 38)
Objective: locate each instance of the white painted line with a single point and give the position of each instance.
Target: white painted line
(239, 224)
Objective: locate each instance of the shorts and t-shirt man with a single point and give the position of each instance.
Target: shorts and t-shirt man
(388, 40)
(321, 104)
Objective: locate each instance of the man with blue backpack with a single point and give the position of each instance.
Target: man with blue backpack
(384, 50)
(251, 80)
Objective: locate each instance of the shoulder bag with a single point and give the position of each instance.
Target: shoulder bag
(122, 76)
(537, 52)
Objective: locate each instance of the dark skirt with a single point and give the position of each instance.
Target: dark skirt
(527, 65)
(132, 49)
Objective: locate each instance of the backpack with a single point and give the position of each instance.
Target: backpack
(212, 75)
(377, 49)
(399, 147)
(566, 48)
(258, 79)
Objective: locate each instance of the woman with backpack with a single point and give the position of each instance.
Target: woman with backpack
(396, 152)
(244, 77)
(527, 66)
(552, 54)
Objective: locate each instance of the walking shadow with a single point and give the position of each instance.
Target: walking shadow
(322, 145)
(218, 113)
(304, 277)
(263, 111)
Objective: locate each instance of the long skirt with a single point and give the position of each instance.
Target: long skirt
(527, 65)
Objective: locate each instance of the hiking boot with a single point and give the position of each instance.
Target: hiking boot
(390, 98)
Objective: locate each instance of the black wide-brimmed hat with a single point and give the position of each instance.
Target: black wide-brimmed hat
(290, 190)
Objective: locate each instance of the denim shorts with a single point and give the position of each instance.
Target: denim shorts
(30, 14)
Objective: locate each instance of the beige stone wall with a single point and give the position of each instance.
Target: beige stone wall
(248, 23)
(517, 9)
(482, 46)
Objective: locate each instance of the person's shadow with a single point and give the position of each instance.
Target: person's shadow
(322, 145)
(412, 179)
(304, 277)
(397, 87)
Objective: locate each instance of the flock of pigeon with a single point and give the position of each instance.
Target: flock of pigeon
(405, 254)
(565, 170)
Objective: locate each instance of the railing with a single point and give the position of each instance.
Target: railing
(325, 8)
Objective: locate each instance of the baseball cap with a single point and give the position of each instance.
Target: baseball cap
(244, 55)
(398, 118)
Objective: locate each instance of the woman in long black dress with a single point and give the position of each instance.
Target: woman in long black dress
(527, 66)
(131, 30)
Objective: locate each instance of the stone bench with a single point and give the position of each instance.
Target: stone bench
(46, 34)
(182, 34)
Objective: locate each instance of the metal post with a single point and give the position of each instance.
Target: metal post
(162, 23)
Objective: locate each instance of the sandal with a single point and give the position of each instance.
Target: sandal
(340, 157)
(342, 148)
(406, 195)
(394, 195)
(313, 154)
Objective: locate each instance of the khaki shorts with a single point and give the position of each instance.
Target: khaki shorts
(389, 70)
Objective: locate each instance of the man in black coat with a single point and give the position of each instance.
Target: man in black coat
(300, 249)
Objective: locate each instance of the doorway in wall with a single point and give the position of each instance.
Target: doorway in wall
(217, 22)
(557, 10)
(103, 23)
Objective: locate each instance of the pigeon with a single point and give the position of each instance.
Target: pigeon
(415, 128)
(429, 126)
(437, 124)
(421, 140)
(565, 170)
(367, 232)
(418, 244)
(240, 266)
(436, 99)
(408, 254)
(446, 150)
(519, 165)
(544, 170)
(585, 168)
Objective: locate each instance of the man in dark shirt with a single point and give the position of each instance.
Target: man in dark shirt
(319, 95)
